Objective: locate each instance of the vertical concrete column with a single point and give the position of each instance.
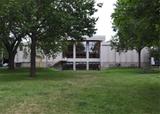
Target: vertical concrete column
(101, 55)
(87, 54)
(46, 62)
(115, 57)
(74, 56)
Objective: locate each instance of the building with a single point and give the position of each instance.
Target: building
(90, 54)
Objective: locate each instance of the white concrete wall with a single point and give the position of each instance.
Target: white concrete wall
(111, 58)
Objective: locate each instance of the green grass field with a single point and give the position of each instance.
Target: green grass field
(112, 91)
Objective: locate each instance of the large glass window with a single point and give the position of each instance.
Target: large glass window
(94, 49)
(68, 51)
(81, 50)
(81, 65)
(67, 66)
(94, 65)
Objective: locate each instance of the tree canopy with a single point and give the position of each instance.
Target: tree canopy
(46, 23)
(136, 23)
(11, 28)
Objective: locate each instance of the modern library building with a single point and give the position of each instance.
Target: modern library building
(90, 54)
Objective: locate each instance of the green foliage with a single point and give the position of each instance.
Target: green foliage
(11, 28)
(46, 23)
(155, 52)
(52, 22)
(136, 23)
(49, 23)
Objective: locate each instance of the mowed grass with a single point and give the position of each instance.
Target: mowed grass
(112, 91)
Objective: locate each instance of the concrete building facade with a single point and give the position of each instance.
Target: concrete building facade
(90, 54)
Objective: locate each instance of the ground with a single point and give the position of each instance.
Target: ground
(111, 91)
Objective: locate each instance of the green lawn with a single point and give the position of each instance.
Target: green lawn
(112, 91)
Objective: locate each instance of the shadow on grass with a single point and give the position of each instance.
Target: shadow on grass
(132, 71)
(42, 74)
(150, 71)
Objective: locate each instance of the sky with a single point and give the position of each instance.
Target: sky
(104, 24)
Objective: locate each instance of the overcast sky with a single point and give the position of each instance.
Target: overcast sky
(104, 24)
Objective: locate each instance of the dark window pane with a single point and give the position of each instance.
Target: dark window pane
(94, 49)
(94, 66)
(68, 52)
(20, 48)
(81, 65)
(68, 66)
(81, 50)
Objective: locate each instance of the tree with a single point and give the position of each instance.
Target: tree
(49, 23)
(133, 26)
(1, 54)
(11, 31)
(155, 52)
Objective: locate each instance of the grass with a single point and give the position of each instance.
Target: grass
(112, 91)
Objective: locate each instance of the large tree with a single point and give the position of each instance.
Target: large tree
(133, 25)
(11, 31)
(50, 22)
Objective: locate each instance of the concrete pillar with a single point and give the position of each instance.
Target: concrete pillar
(46, 62)
(101, 55)
(74, 56)
(87, 55)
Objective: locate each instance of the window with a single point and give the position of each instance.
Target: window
(81, 65)
(68, 66)
(25, 53)
(94, 65)
(81, 50)
(21, 48)
(94, 49)
(68, 52)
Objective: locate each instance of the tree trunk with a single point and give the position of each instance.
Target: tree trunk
(2, 57)
(11, 65)
(33, 57)
(159, 57)
(139, 58)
